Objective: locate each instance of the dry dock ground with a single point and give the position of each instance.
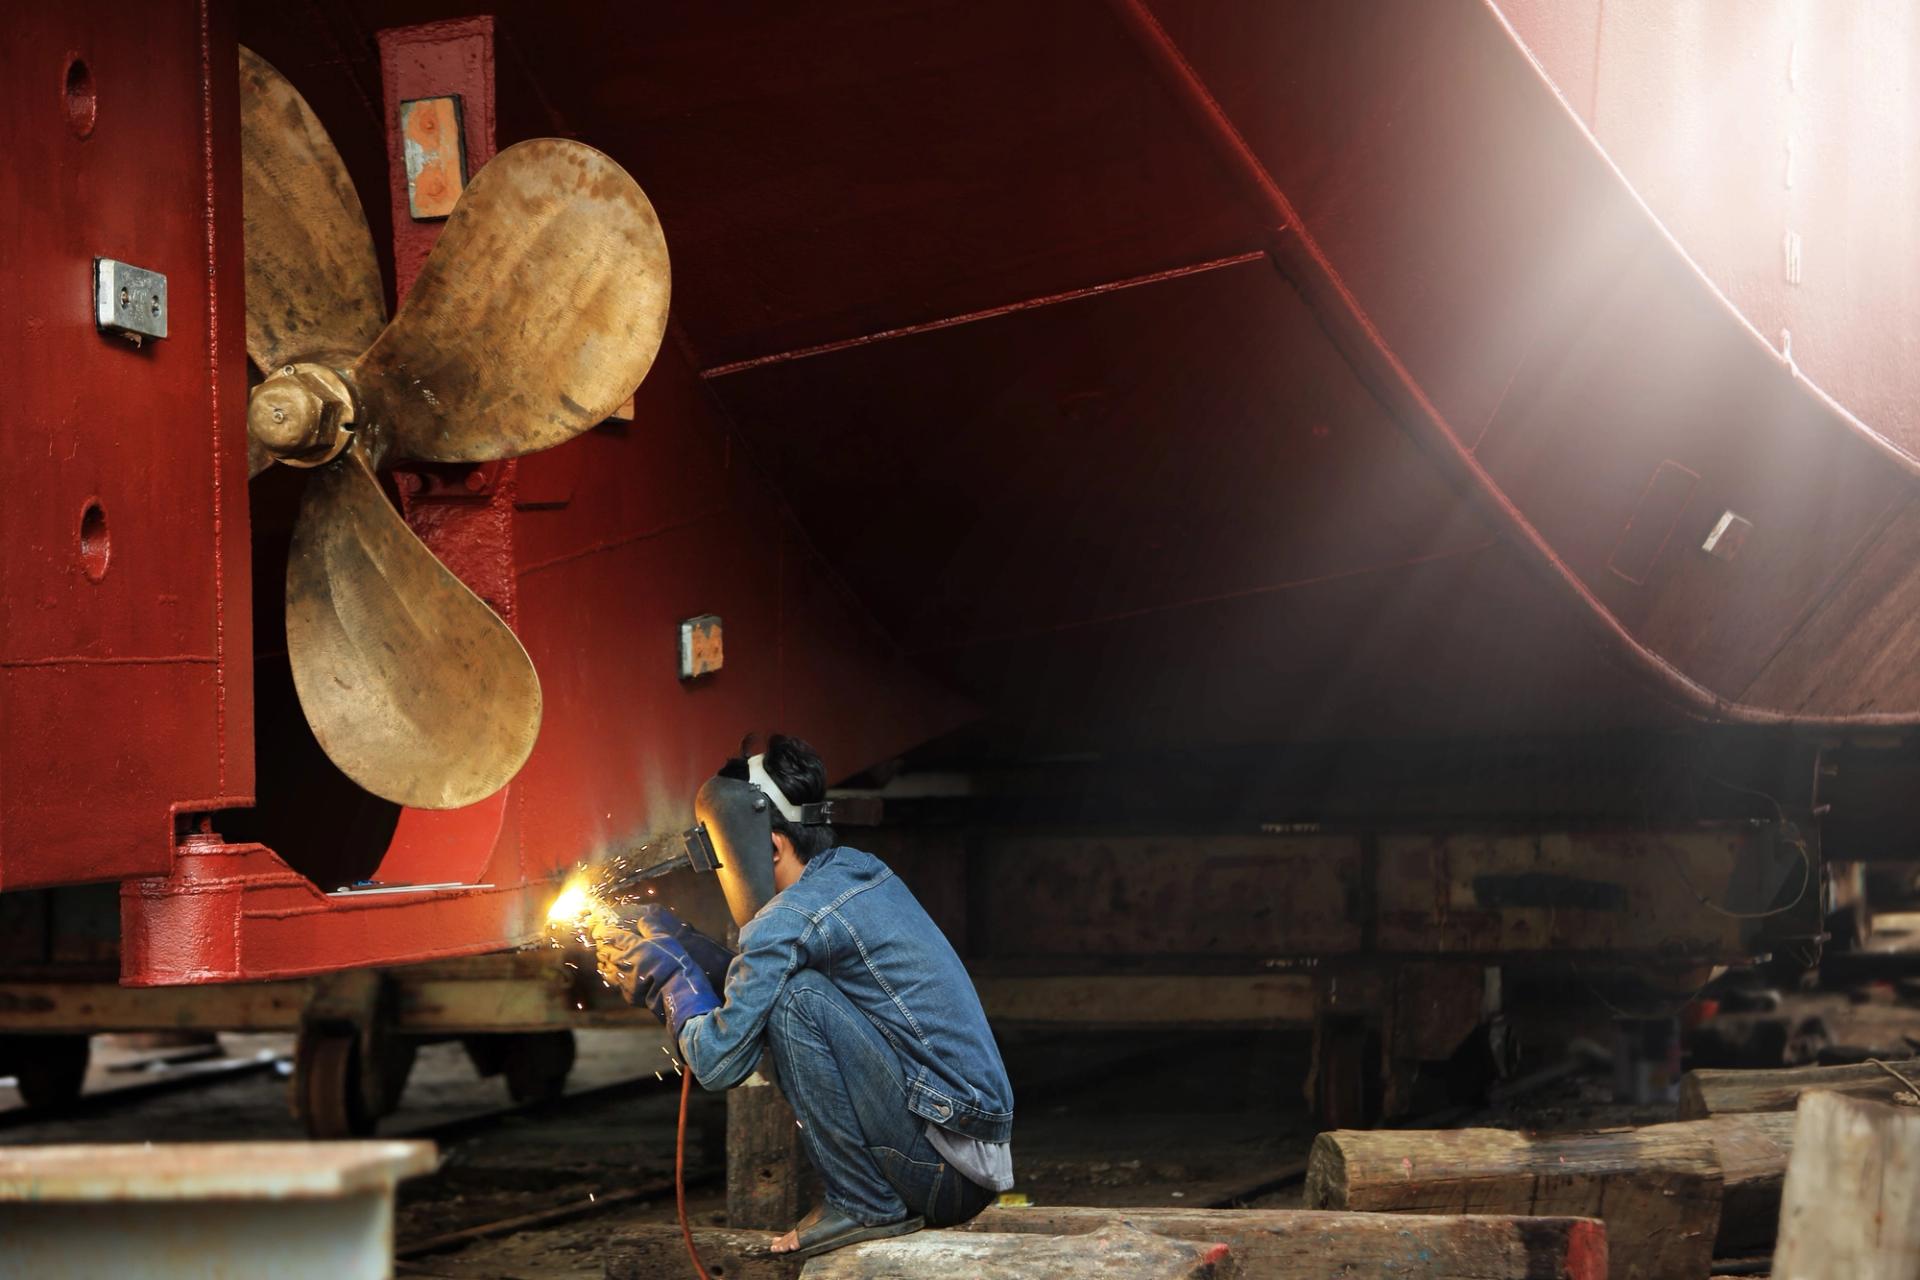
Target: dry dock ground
(1105, 1118)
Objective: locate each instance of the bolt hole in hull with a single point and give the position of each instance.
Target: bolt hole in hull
(79, 97)
(96, 547)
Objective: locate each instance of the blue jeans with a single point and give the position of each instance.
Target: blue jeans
(846, 1086)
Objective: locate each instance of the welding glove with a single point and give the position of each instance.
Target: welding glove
(656, 972)
(656, 921)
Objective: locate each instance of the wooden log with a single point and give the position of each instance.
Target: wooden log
(1753, 1164)
(1666, 1192)
(1719, 1093)
(1297, 1244)
(1117, 1250)
(1851, 1207)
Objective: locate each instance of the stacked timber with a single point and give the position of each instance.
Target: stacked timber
(1719, 1093)
(1222, 1244)
(1667, 1193)
(1851, 1208)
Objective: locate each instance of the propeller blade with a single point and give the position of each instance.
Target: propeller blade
(539, 310)
(415, 688)
(313, 284)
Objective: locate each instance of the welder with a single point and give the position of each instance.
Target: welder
(862, 1009)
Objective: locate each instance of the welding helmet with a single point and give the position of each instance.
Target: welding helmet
(737, 818)
(736, 808)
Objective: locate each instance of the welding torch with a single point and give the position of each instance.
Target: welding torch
(689, 850)
(594, 889)
(732, 838)
(696, 850)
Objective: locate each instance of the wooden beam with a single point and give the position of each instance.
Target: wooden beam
(1666, 1192)
(536, 992)
(1716, 1093)
(1150, 1000)
(1292, 1244)
(1116, 1250)
(1851, 1207)
(55, 1008)
(513, 991)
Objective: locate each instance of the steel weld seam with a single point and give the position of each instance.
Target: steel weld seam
(986, 313)
(111, 660)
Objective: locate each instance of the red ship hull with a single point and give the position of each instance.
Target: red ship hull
(1124, 378)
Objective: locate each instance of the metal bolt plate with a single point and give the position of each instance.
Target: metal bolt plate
(434, 135)
(700, 646)
(130, 301)
(1728, 536)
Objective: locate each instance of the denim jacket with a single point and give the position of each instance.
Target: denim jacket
(850, 918)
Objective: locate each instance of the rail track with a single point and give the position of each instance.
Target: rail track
(170, 1075)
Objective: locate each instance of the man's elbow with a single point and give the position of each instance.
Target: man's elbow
(713, 1066)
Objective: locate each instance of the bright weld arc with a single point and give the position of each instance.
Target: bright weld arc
(578, 902)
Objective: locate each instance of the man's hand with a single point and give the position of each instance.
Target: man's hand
(656, 972)
(656, 921)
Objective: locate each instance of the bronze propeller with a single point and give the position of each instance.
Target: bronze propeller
(539, 310)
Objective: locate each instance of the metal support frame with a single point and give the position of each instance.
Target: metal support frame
(357, 1030)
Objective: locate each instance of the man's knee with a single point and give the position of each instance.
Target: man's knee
(805, 996)
(806, 984)
(800, 1024)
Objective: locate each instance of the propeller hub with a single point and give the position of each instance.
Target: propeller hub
(300, 415)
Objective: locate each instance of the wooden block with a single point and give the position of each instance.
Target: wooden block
(1851, 1207)
(1753, 1153)
(1117, 1250)
(764, 1159)
(1299, 1244)
(1658, 1189)
(1713, 1093)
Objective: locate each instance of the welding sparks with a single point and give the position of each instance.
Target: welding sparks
(582, 904)
(576, 904)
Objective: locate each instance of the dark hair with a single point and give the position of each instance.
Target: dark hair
(797, 770)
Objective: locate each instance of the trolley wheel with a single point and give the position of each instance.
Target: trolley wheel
(537, 1063)
(49, 1070)
(487, 1053)
(326, 1086)
(393, 1069)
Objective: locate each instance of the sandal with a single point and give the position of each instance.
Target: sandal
(827, 1229)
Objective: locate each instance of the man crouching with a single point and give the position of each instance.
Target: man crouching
(866, 1012)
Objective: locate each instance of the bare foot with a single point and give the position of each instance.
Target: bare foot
(786, 1243)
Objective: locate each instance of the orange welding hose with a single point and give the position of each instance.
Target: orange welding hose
(680, 1172)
